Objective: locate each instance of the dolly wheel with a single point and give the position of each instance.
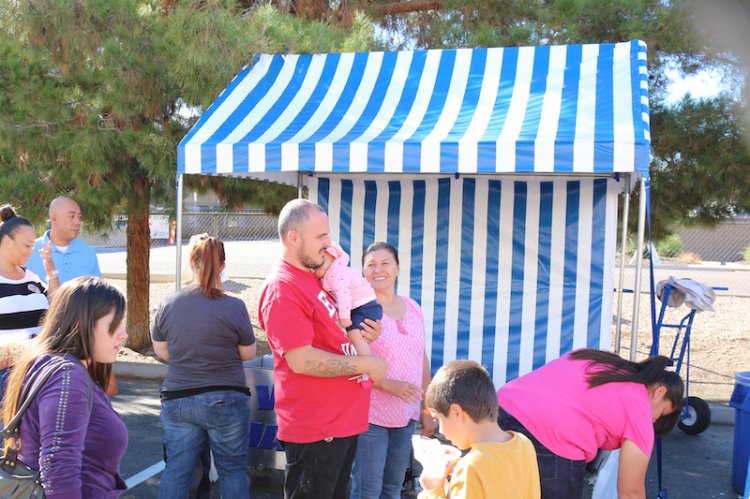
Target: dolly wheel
(696, 417)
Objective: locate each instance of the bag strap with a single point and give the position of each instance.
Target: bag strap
(30, 390)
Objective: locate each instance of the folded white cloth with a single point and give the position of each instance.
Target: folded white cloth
(692, 293)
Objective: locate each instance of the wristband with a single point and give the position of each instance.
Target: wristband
(426, 412)
(53, 275)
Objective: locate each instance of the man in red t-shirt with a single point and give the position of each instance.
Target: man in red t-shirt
(320, 406)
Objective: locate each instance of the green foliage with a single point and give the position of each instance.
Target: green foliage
(237, 192)
(746, 254)
(670, 246)
(701, 164)
(98, 93)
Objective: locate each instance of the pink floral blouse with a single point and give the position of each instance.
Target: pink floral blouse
(401, 345)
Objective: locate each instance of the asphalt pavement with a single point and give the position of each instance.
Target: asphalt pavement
(138, 404)
(695, 467)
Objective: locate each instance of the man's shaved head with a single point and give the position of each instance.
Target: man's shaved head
(65, 220)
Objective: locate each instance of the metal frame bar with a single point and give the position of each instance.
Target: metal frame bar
(638, 268)
(623, 254)
(178, 235)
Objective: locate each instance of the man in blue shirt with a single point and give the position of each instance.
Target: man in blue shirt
(73, 258)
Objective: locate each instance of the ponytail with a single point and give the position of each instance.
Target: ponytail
(208, 259)
(607, 367)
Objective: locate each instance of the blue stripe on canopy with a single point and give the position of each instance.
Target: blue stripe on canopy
(556, 109)
(511, 273)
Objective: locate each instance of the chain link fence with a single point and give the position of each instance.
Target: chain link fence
(712, 256)
(717, 256)
(251, 244)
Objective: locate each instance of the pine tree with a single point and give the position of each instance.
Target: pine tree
(97, 94)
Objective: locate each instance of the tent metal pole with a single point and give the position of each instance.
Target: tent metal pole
(299, 185)
(638, 267)
(623, 254)
(178, 236)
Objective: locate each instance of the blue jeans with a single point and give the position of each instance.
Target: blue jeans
(221, 417)
(381, 461)
(559, 477)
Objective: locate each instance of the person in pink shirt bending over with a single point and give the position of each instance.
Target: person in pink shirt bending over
(588, 400)
(355, 298)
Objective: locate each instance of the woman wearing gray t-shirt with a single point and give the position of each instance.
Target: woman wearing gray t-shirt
(205, 335)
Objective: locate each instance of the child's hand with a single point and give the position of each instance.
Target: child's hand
(359, 342)
(434, 475)
(345, 323)
(431, 483)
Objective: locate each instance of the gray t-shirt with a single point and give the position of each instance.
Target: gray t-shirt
(202, 336)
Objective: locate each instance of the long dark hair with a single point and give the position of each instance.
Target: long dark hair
(9, 221)
(607, 367)
(208, 258)
(68, 327)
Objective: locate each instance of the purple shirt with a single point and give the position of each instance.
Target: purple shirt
(77, 451)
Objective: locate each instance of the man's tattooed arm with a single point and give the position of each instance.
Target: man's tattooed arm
(330, 368)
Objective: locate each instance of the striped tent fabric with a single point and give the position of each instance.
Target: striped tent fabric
(494, 171)
(511, 272)
(551, 109)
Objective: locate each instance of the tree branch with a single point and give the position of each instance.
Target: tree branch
(404, 7)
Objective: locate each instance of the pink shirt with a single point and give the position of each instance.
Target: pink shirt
(572, 420)
(348, 286)
(401, 346)
(350, 289)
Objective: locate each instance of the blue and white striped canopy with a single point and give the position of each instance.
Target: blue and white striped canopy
(510, 271)
(556, 109)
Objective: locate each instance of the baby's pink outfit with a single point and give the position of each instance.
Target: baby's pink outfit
(348, 286)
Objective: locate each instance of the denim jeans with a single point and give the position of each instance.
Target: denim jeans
(381, 461)
(318, 470)
(221, 417)
(559, 477)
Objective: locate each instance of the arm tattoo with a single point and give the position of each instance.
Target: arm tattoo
(331, 368)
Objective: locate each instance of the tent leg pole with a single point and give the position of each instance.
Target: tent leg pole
(623, 254)
(178, 235)
(299, 185)
(638, 268)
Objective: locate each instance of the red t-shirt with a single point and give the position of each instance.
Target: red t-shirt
(295, 311)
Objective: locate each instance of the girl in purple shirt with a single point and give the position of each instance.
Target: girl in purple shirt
(70, 432)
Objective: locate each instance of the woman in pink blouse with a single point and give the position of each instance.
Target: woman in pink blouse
(383, 451)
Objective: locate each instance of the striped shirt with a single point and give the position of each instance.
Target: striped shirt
(22, 304)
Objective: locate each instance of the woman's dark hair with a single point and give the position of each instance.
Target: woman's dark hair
(381, 245)
(68, 327)
(208, 258)
(10, 222)
(607, 367)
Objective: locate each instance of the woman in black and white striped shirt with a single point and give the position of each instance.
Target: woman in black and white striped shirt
(23, 296)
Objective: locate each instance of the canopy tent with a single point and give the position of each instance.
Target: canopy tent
(494, 171)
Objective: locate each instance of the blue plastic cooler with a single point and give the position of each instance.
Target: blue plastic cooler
(741, 402)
